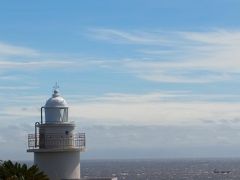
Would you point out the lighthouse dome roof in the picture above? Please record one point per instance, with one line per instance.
(56, 100)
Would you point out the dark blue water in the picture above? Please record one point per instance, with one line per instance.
(178, 169)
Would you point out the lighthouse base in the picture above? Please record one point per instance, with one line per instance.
(59, 165)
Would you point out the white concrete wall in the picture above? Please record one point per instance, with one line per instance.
(59, 165)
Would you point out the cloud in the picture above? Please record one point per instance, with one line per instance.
(17, 87)
(24, 58)
(129, 122)
(117, 36)
(10, 77)
(178, 72)
(122, 141)
(180, 57)
(13, 140)
(11, 50)
(32, 64)
(2, 140)
(156, 108)
(138, 98)
(177, 135)
(155, 113)
(217, 37)
(170, 57)
(28, 59)
(182, 118)
(172, 141)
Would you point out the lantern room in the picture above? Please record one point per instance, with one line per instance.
(55, 109)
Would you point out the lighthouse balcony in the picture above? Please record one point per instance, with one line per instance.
(56, 142)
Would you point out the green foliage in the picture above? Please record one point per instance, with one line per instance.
(11, 171)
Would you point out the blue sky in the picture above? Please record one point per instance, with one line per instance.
(130, 70)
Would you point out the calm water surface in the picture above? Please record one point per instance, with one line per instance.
(180, 169)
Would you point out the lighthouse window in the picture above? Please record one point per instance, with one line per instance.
(64, 115)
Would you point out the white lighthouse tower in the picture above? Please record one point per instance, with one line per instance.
(55, 144)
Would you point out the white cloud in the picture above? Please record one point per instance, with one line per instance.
(137, 98)
(217, 37)
(10, 77)
(32, 64)
(178, 72)
(156, 108)
(117, 36)
(163, 108)
(168, 113)
(184, 57)
(175, 57)
(2, 140)
(17, 87)
(23, 58)
(186, 123)
(11, 50)
(28, 59)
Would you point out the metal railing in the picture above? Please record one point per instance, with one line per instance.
(56, 141)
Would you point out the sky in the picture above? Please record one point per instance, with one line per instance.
(143, 79)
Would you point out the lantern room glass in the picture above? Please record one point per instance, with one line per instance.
(54, 114)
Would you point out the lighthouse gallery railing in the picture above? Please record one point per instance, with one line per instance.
(58, 141)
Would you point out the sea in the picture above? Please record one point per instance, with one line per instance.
(163, 169)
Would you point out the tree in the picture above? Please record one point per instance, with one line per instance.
(11, 171)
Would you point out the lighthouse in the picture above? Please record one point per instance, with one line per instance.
(55, 144)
